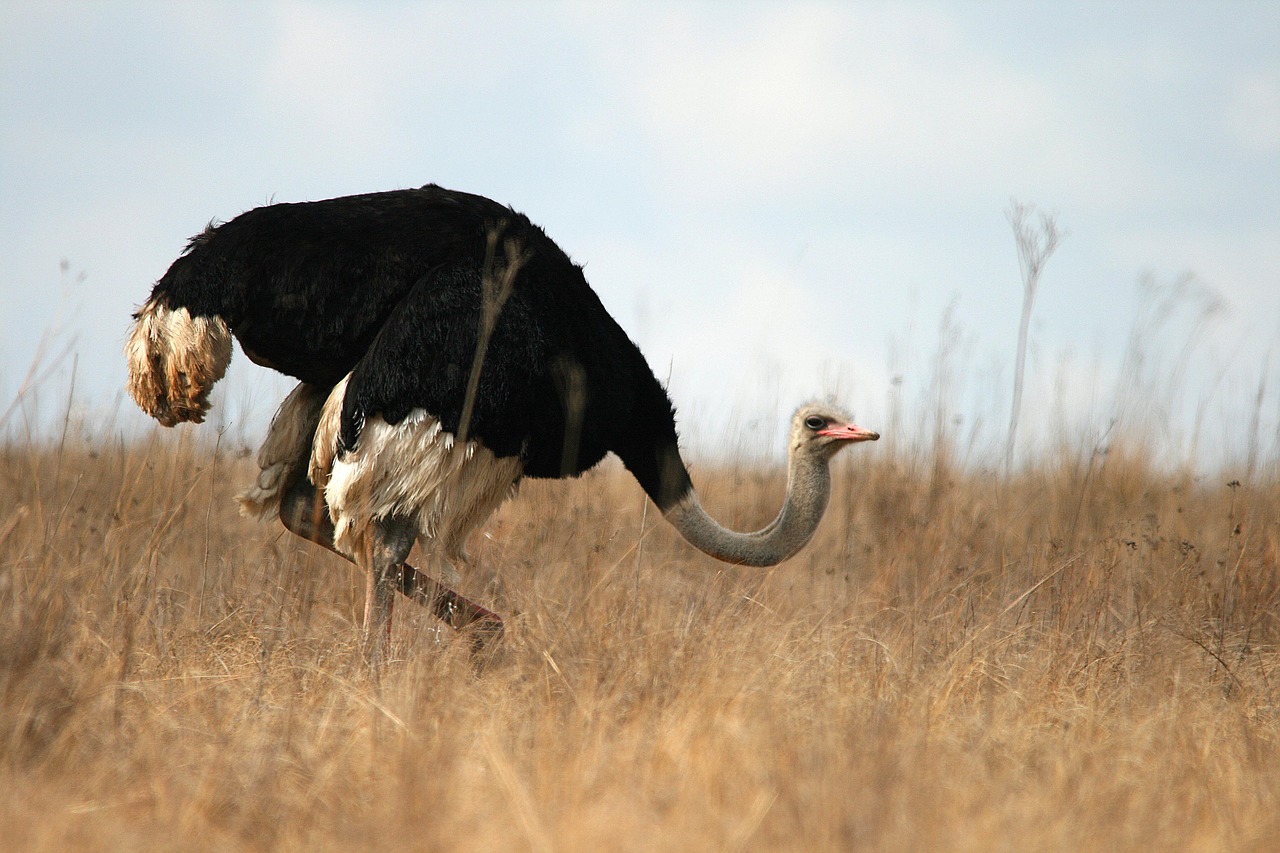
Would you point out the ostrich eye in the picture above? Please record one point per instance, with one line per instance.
(814, 422)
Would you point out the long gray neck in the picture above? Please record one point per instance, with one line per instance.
(808, 490)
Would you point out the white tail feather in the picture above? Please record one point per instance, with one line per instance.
(174, 361)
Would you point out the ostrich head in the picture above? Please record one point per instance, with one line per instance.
(820, 431)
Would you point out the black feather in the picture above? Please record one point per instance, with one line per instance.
(389, 287)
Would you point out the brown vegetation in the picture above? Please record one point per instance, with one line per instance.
(1082, 657)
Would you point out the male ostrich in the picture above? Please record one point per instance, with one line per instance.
(445, 348)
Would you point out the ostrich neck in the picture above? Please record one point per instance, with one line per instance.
(808, 489)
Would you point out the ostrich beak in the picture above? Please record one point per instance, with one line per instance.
(849, 432)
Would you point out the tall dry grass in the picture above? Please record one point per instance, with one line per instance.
(1081, 657)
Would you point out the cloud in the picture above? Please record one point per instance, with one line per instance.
(832, 99)
(1253, 112)
(326, 78)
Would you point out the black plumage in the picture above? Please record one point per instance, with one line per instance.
(389, 287)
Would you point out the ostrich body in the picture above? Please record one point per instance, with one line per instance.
(445, 348)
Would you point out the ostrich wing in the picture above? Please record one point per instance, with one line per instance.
(423, 356)
(305, 287)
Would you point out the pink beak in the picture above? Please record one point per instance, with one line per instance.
(849, 432)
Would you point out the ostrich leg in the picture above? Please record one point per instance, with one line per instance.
(303, 512)
(389, 544)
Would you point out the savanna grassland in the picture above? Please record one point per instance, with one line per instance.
(1082, 656)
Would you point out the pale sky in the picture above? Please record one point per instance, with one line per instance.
(777, 200)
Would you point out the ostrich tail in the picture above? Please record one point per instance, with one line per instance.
(285, 452)
(174, 360)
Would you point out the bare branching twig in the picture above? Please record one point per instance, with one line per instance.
(1035, 243)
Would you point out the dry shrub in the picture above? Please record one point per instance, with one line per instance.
(1080, 657)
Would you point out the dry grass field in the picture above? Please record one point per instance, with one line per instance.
(1084, 657)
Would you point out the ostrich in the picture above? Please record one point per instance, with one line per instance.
(445, 348)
